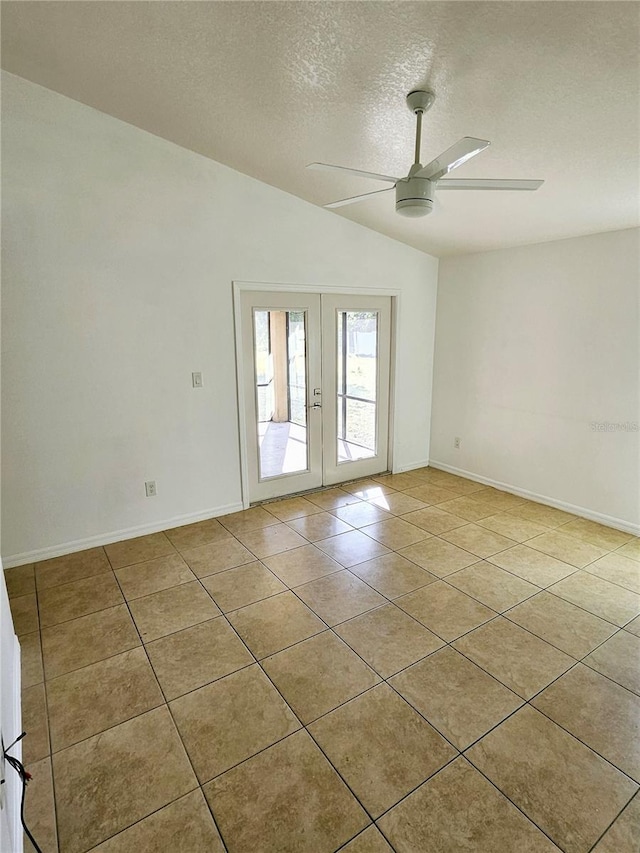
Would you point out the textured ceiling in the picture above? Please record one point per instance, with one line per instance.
(268, 87)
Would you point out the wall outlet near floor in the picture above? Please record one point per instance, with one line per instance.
(150, 488)
(456, 443)
(196, 380)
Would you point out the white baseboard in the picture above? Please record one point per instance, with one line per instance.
(115, 536)
(412, 466)
(583, 512)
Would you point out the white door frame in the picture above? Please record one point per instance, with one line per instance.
(241, 286)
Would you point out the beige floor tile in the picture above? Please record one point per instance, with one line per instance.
(598, 596)
(465, 507)
(460, 485)
(302, 565)
(619, 569)
(97, 697)
(230, 720)
(351, 548)
(217, 557)
(241, 586)
(248, 519)
(399, 482)
(521, 661)
(396, 533)
(369, 841)
(271, 540)
(320, 526)
(619, 659)
(39, 808)
(566, 789)
(387, 639)
(596, 534)
(20, 580)
(398, 503)
(541, 514)
(393, 575)
(633, 626)
(567, 627)
(434, 520)
(459, 811)
(456, 696)
(446, 611)
(438, 557)
(360, 514)
(184, 826)
(172, 610)
(128, 772)
(332, 498)
(35, 723)
(24, 612)
(318, 675)
(599, 712)
(71, 567)
(567, 548)
(381, 747)
(477, 540)
(366, 490)
(500, 501)
(518, 529)
(291, 508)
(275, 623)
(153, 576)
(86, 640)
(623, 836)
(287, 799)
(78, 598)
(138, 550)
(531, 565)
(631, 549)
(196, 656)
(201, 533)
(430, 494)
(492, 586)
(31, 659)
(339, 596)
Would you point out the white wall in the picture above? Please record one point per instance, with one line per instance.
(533, 345)
(119, 253)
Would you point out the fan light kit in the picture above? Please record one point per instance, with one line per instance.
(415, 193)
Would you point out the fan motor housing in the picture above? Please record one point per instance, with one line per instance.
(414, 197)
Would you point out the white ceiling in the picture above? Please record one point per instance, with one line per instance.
(267, 87)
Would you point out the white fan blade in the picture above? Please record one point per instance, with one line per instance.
(487, 184)
(453, 157)
(355, 198)
(357, 172)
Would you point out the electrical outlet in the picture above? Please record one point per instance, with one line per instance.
(196, 380)
(150, 488)
(456, 443)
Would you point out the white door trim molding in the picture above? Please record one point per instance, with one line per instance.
(240, 287)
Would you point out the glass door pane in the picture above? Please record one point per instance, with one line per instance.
(357, 363)
(281, 391)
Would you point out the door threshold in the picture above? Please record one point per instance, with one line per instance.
(315, 491)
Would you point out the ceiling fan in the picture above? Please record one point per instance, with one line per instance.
(415, 193)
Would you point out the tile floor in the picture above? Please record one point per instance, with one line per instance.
(411, 663)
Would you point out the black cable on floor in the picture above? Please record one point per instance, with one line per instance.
(25, 776)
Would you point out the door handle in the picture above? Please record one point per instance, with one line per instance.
(315, 406)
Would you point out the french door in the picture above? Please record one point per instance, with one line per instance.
(315, 382)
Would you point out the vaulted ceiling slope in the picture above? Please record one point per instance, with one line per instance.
(268, 87)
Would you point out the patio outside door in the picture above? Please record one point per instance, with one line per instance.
(315, 382)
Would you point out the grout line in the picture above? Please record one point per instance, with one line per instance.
(617, 817)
